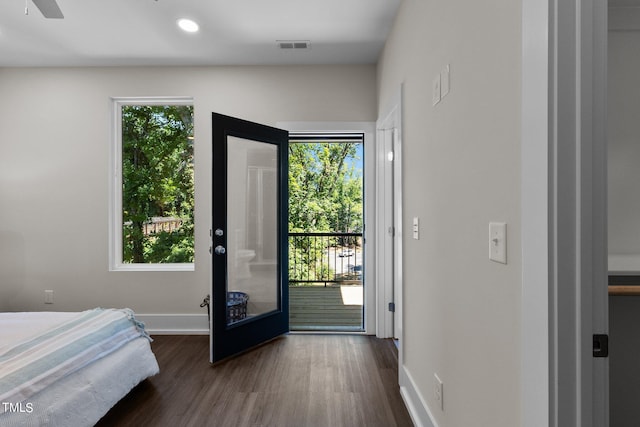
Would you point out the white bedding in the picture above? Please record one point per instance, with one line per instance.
(84, 396)
(17, 326)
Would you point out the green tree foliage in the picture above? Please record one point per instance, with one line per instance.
(157, 175)
(325, 195)
(325, 188)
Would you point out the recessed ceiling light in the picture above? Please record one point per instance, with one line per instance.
(188, 25)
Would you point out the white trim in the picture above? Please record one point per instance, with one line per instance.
(389, 216)
(153, 100)
(154, 267)
(398, 194)
(175, 324)
(534, 217)
(624, 264)
(577, 213)
(413, 400)
(368, 128)
(115, 184)
(384, 230)
(597, 310)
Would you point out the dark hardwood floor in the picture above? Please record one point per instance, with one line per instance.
(295, 380)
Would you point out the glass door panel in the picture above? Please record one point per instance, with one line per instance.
(252, 217)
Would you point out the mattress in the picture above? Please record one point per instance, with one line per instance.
(82, 397)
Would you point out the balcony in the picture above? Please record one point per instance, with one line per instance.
(325, 281)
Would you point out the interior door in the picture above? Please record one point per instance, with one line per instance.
(249, 286)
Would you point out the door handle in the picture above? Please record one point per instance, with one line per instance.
(220, 250)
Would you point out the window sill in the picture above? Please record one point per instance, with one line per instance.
(153, 267)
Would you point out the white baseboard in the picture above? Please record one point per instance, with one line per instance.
(175, 324)
(624, 264)
(416, 405)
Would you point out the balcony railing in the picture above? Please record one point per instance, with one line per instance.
(325, 258)
(325, 281)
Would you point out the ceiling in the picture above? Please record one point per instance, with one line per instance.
(232, 32)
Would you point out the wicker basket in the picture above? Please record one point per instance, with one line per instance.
(236, 306)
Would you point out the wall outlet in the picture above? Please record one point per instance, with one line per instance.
(438, 391)
(444, 84)
(435, 85)
(48, 297)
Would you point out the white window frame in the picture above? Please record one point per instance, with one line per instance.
(115, 185)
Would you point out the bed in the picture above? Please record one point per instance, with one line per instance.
(69, 369)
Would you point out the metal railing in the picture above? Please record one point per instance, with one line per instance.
(325, 258)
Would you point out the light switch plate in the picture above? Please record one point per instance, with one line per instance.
(444, 84)
(436, 90)
(498, 242)
(416, 228)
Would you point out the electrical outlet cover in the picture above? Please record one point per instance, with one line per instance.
(436, 90)
(438, 390)
(444, 85)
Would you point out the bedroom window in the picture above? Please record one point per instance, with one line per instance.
(152, 224)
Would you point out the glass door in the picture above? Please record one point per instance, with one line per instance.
(249, 251)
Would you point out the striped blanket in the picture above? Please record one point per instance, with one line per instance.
(29, 366)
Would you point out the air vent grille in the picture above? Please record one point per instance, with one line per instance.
(293, 44)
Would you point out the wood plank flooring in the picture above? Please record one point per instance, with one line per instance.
(315, 307)
(295, 380)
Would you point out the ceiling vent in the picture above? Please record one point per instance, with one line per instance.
(293, 44)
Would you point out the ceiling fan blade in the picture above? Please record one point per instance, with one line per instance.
(49, 8)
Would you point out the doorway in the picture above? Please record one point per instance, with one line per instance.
(369, 238)
(623, 151)
(326, 231)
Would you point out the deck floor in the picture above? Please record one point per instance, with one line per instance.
(326, 308)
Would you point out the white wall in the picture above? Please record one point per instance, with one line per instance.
(54, 160)
(461, 163)
(624, 150)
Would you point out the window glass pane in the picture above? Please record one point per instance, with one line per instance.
(157, 184)
(252, 223)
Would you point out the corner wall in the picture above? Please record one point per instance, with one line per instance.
(461, 170)
(55, 136)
